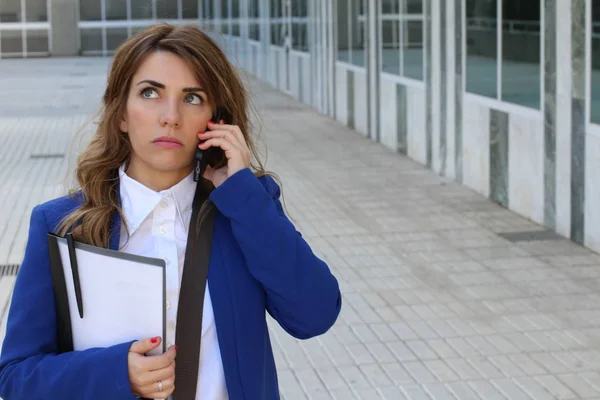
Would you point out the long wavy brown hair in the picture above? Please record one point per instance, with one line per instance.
(97, 166)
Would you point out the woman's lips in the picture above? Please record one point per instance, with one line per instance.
(167, 142)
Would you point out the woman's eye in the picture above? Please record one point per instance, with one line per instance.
(149, 93)
(193, 99)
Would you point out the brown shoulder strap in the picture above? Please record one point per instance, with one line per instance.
(191, 301)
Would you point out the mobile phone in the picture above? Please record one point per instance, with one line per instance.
(213, 155)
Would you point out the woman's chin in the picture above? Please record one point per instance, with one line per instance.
(171, 165)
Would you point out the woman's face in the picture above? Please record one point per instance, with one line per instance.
(166, 108)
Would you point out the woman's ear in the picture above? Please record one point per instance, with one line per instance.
(123, 125)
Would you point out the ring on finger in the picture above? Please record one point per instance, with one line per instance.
(160, 386)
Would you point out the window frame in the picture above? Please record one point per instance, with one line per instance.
(403, 21)
(593, 127)
(498, 99)
(24, 27)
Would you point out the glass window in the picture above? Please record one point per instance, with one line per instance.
(10, 11)
(166, 10)
(141, 9)
(299, 36)
(224, 9)
(414, 6)
(300, 25)
(254, 32)
(115, 37)
(90, 10)
(595, 105)
(235, 18)
(352, 40)
(413, 49)
(209, 23)
(235, 9)
(402, 38)
(277, 26)
(189, 9)
(521, 67)
(137, 29)
(91, 40)
(390, 37)
(482, 49)
(37, 41)
(254, 19)
(116, 10)
(389, 6)
(225, 16)
(37, 12)
(11, 43)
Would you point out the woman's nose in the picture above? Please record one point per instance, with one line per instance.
(170, 116)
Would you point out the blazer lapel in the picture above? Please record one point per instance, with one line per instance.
(115, 224)
(115, 229)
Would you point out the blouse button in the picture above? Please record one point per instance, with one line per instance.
(163, 229)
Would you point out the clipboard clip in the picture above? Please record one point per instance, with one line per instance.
(75, 272)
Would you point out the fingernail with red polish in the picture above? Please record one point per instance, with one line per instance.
(154, 340)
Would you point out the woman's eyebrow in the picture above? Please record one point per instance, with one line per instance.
(193, 89)
(153, 83)
(161, 86)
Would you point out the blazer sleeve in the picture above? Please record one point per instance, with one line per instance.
(30, 367)
(302, 294)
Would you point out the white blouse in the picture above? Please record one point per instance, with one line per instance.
(158, 227)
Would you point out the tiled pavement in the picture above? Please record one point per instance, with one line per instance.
(437, 305)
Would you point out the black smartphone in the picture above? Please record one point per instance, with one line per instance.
(212, 156)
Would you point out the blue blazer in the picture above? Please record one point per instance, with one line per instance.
(258, 262)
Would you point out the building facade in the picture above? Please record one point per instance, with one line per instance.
(502, 96)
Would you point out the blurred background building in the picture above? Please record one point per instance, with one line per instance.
(502, 96)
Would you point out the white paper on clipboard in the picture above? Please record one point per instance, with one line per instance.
(123, 296)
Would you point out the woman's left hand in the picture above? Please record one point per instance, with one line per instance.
(232, 141)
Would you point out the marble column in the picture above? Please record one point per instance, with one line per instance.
(550, 113)
(562, 117)
(427, 4)
(373, 66)
(350, 91)
(499, 145)
(64, 32)
(443, 131)
(578, 120)
(401, 118)
(458, 88)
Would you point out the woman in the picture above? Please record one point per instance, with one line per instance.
(138, 194)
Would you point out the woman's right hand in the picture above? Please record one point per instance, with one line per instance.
(145, 372)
